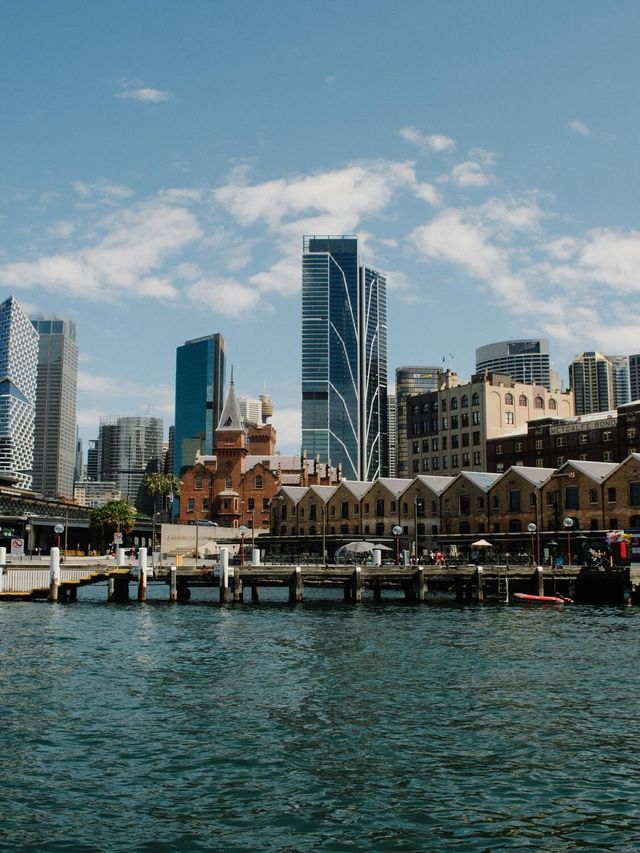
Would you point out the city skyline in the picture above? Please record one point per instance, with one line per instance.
(148, 219)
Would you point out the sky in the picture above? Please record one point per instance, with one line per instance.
(161, 162)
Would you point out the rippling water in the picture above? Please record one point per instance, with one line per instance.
(321, 726)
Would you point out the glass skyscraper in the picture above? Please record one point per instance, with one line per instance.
(525, 361)
(410, 380)
(18, 378)
(131, 447)
(344, 358)
(200, 376)
(54, 453)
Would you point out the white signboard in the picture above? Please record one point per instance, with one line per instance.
(17, 547)
(117, 538)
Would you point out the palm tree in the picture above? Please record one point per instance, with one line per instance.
(117, 514)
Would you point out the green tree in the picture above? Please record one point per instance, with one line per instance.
(160, 485)
(119, 515)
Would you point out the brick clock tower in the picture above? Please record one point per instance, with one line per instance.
(230, 450)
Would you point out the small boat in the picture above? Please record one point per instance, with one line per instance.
(542, 599)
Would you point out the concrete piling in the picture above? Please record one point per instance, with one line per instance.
(54, 574)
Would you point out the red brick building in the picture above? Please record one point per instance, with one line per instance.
(235, 485)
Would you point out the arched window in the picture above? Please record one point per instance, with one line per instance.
(416, 411)
(508, 399)
(539, 404)
(475, 399)
(434, 406)
(522, 400)
(454, 403)
(425, 408)
(464, 402)
(553, 405)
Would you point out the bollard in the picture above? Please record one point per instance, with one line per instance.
(377, 557)
(224, 575)
(405, 558)
(173, 584)
(54, 574)
(255, 557)
(419, 584)
(356, 585)
(540, 580)
(120, 558)
(295, 586)
(142, 569)
(480, 584)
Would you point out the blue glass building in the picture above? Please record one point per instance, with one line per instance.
(200, 377)
(344, 358)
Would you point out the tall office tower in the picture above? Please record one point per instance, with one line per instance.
(392, 421)
(410, 380)
(79, 468)
(250, 410)
(524, 361)
(344, 358)
(620, 378)
(18, 378)
(54, 450)
(200, 374)
(634, 376)
(130, 448)
(93, 460)
(591, 378)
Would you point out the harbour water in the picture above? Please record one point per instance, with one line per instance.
(324, 726)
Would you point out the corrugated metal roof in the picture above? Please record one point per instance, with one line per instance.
(437, 483)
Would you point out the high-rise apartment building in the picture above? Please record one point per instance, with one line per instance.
(200, 377)
(54, 452)
(129, 448)
(523, 360)
(18, 380)
(393, 435)
(620, 379)
(634, 376)
(591, 378)
(410, 380)
(344, 358)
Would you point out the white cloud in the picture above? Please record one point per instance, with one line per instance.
(102, 187)
(470, 174)
(144, 93)
(61, 229)
(288, 423)
(432, 142)
(428, 193)
(223, 296)
(130, 247)
(579, 127)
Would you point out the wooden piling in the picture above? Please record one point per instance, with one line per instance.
(142, 571)
(237, 587)
(173, 584)
(356, 585)
(377, 590)
(224, 575)
(73, 593)
(254, 591)
(54, 576)
(296, 586)
(419, 584)
(479, 584)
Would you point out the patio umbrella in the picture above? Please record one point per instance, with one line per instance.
(481, 543)
(359, 547)
(381, 547)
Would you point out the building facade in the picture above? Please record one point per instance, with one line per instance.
(634, 377)
(54, 455)
(18, 384)
(392, 427)
(591, 379)
(410, 380)
(620, 379)
(129, 448)
(344, 358)
(448, 429)
(525, 361)
(200, 378)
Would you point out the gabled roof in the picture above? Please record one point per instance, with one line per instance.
(536, 476)
(482, 479)
(294, 493)
(437, 483)
(597, 471)
(323, 492)
(356, 488)
(395, 485)
(230, 419)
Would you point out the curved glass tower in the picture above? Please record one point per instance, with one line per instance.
(344, 358)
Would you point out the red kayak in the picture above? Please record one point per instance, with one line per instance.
(542, 599)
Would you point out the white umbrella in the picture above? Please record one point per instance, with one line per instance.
(381, 547)
(481, 543)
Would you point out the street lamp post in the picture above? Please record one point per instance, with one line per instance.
(416, 499)
(243, 532)
(532, 529)
(568, 524)
(324, 533)
(397, 530)
(58, 529)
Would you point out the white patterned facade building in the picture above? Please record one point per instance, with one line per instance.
(18, 381)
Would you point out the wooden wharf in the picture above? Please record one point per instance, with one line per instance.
(467, 583)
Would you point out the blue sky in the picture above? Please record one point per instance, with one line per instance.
(161, 162)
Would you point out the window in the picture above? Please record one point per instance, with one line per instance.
(344, 509)
(444, 442)
(191, 504)
(198, 482)
(552, 405)
(415, 464)
(251, 504)
(301, 512)
(560, 441)
(539, 463)
(606, 436)
(465, 459)
(552, 498)
(434, 507)
(447, 504)
(582, 438)
(634, 494)
(583, 457)
(416, 411)
(258, 481)
(425, 463)
(405, 507)
(205, 503)
(416, 446)
(379, 506)
(465, 505)
(515, 525)
(559, 461)
(539, 403)
(443, 406)
(445, 423)
(425, 408)
(480, 502)
(477, 459)
(454, 422)
(475, 438)
(518, 447)
(393, 506)
(464, 402)
(425, 445)
(434, 406)
(465, 439)
(593, 496)
(435, 463)
(454, 460)
(631, 432)
(611, 494)
(366, 509)
(514, 500)
(508, 417)
(228, 483)
(434, 443)
(465, 420)
(498, 450)
(455, 441)
(356, 509)
(445, 463)
(495, 501)
(332, 510)
(475, 418)
(522, 400)
(607, 456)
(539, 444)
(508, 399)
(266, 503)
(475, 399)
(454, 403)
(571, 497)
